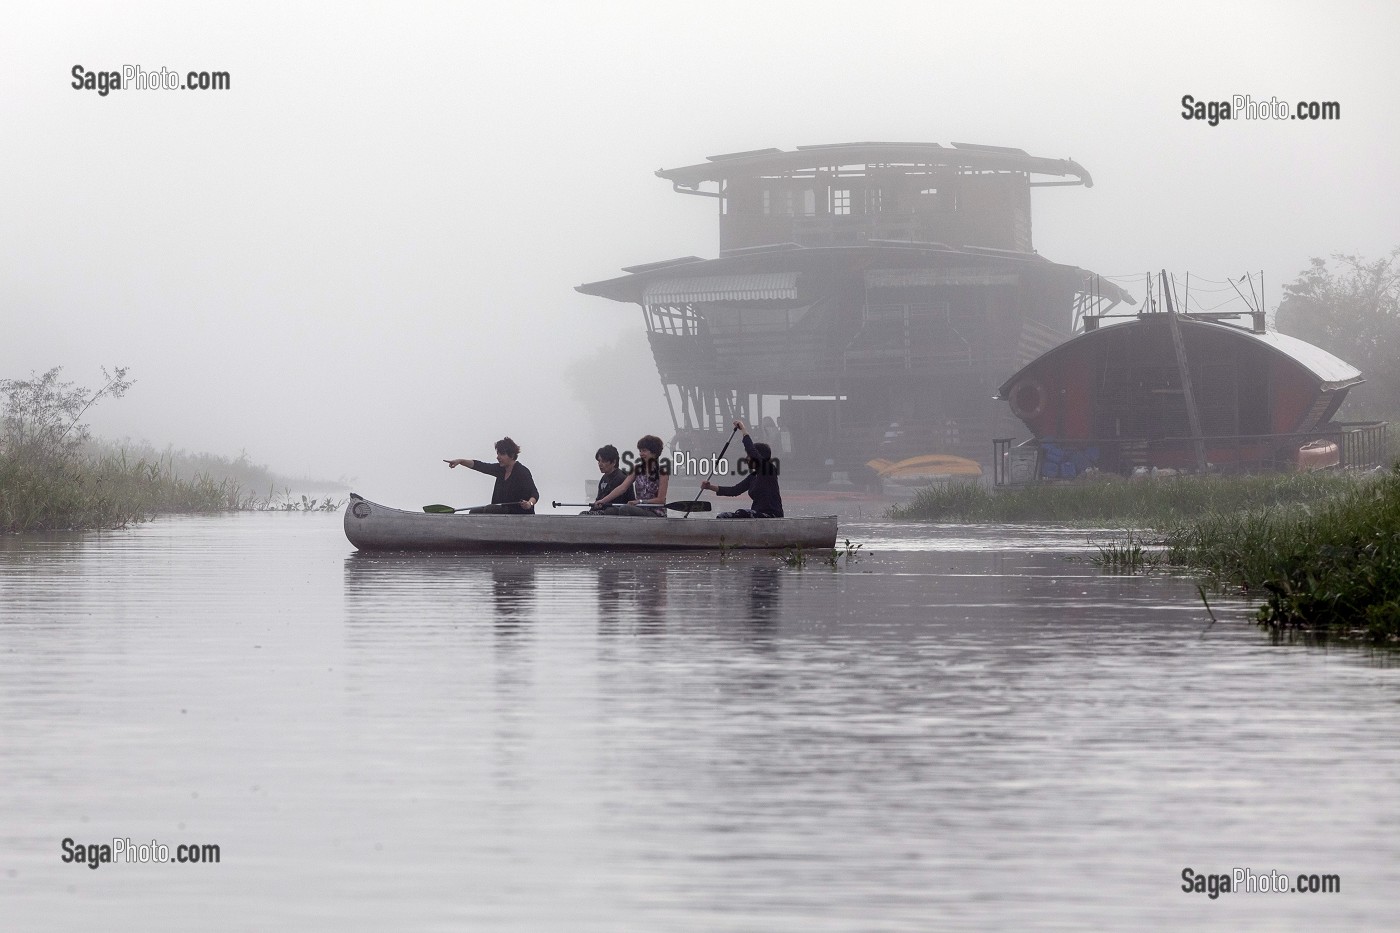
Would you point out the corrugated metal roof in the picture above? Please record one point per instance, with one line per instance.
(653, 266)
(760, 286)
(1326, 367)
(1331, 372)
(962, 155)
(742, 155)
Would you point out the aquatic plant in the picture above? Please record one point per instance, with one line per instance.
(285, 501)
(848, 552)
(795, 557)
(1330, 567)
(835, 558)
(1128, 555)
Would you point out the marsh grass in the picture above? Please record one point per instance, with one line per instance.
(1141, 503)
(1325, 568)
(1322, 550)
(54, 476)
(102, 493)
(1128, 555)
(112, 491)
(242, 469)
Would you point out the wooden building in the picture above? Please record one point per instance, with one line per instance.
(868, 299)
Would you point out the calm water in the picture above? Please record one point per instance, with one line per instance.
(966, 729)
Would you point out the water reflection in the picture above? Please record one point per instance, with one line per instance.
(652, 595)
(612, 600)
(630, 598)
(651, 590)
(765, 591)
(513, 593)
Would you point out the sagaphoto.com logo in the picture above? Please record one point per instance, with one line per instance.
(1244, 107)
(134, 77)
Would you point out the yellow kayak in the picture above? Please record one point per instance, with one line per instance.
(925, 465)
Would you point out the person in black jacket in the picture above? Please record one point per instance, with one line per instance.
(514, 492)
(612, 477)
(761, 483)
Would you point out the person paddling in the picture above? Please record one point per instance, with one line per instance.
(514, 492)
(761, 483)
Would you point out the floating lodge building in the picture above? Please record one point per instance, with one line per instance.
(868, 300)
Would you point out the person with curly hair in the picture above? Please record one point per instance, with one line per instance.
(514, 492)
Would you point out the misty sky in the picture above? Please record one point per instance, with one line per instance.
(361, 258)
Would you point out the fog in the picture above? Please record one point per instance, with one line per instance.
(361, 258)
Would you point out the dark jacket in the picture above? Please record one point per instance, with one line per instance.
(761, 484)
(521, 484)
(609, 482)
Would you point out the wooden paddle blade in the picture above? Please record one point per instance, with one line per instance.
(701, 505)
(446, 509)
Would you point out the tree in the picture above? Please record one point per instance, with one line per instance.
(42, 414)
(1352, 310)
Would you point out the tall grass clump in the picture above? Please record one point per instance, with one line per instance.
(105, 493)
(1129, 555)
(241, 470)
(54, 477)
(1156, 502)
(1330, 567)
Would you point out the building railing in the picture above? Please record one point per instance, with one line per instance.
(1340, 445)
(996, 228)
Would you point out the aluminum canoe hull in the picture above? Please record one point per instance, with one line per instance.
(373, 527)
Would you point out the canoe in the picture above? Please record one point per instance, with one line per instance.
(374, 527)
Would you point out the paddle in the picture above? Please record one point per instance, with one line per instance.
(722, 452)
(686, 507)
(448, 510)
